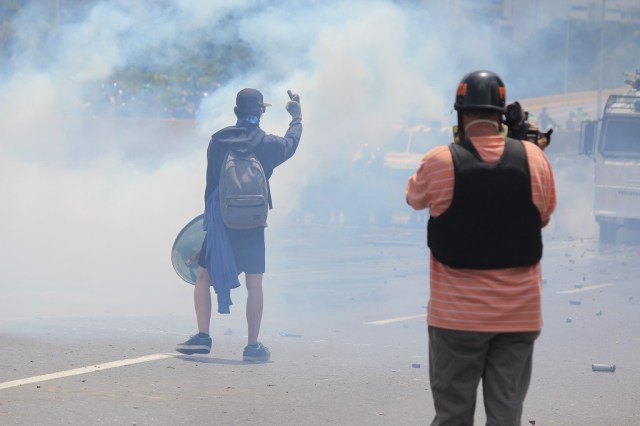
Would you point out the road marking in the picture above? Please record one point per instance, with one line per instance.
(87, 369)
(392, 320)
(587, 288)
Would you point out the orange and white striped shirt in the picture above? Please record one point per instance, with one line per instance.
(495, 300)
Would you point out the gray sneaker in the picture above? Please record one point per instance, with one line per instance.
(256, 353)
(195, 345)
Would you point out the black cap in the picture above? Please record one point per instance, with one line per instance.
(249, 101)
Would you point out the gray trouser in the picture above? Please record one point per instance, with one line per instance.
(457, 362)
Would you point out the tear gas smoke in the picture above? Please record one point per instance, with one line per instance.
(91, 205)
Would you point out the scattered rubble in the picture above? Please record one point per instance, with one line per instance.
(605, 368)
(290, 334)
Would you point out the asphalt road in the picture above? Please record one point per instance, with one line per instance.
(344, 319)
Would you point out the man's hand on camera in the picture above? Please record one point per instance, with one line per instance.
(293, 106)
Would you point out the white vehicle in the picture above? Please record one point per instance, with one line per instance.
(614, 143)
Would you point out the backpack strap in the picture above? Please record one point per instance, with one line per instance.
(268, 185)
(267, 179)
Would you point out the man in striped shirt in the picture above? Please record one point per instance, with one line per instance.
(488, 198)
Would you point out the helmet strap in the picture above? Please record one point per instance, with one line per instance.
(460, 128)
(474, 122)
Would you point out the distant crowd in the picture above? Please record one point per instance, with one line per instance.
(546, 122)
(123, 100)
(119, 100)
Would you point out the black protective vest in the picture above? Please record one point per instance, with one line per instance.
(492, 222)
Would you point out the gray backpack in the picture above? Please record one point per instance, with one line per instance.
(244, 191)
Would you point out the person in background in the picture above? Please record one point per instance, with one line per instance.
(488, 198)
(247, 246)
(545, 122)
(572, 123)
(581, 115)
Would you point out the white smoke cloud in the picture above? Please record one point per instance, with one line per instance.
(91, 205)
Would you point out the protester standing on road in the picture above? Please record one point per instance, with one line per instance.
(488, 198)
(234, 251)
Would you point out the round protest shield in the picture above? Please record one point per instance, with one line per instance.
(186, 250)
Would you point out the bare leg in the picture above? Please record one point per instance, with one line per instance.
(202, 300)
(254, 306)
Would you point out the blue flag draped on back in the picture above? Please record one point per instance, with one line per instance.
(220, 262)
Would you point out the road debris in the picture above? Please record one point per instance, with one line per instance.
(290, 334)
(605, 368)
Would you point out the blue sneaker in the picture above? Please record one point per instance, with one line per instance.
(197, 344)
(256, 353)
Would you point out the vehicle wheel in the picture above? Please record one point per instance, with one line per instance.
(608, 232)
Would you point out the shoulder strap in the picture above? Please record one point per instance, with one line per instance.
(467, 145)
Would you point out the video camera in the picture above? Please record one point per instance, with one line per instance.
(516, 120)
